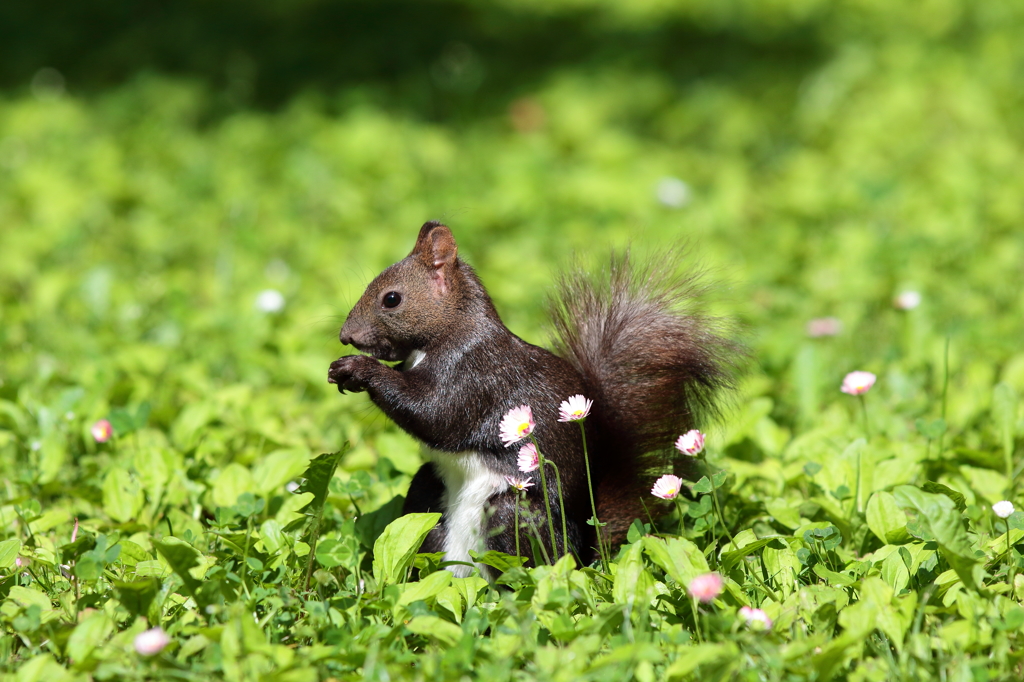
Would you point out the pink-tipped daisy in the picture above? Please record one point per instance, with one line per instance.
(706, 587)
(102, 431)
(755, 618)
(574, 409)
(528, 459)
(519, 484)
(858, 383)
(691, 443)
(151, 642)
(517, 424)
(667, 487)
(824, 326)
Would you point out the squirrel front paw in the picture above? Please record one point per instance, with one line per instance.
(349, 373)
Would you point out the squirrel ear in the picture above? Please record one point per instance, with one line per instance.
(436, 248)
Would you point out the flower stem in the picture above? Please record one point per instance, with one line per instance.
(561, 508)
(547, 503)
(945, 389)
(864, 411)
(721, 516)
(1009, 557)
(696, 619)
(593, 505)
(518, 503)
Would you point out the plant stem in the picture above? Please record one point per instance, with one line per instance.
(593, 505)
(1009, 557)
(547, 503)
(561, 508)
(696, 619)
(721, 516)
(856, 494)
(519, 500)
(945, 388)
(864, 411)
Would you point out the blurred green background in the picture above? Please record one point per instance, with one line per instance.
(162, 164)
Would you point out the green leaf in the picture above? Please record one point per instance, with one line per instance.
(939, 516)
(678, 557)
(122, 421)
(435, 628)
(702, 486)
(318, 477)
(233, 481)
(425, 588)
(895, 572)
(700, 508)
(122, 495)
(88, 635)
(637, 530)
(278, 468)
(9, 552)
(886, 519)
(730, 559)
(633, 584)
(828, 537)
(834, 578)
(692, 657)
(272, 535)
(396, 547)
(811, 469)
(187, 429)
(369, 526)
(1016, 520)
(1004, 414)
(141, 416)
(499, 560)
(939, 489)
(331, 553)
(181, 557)
(784, 511)
(930, 429)
(137, 595)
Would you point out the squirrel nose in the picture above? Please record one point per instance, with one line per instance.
(352, 335)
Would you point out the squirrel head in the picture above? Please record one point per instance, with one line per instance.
(412, 302)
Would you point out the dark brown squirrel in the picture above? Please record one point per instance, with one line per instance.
(623, 339)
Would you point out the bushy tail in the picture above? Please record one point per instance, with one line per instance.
(655, 366)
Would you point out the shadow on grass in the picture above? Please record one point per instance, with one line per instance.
(442, 58)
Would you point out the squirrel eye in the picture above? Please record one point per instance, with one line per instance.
(392, 299)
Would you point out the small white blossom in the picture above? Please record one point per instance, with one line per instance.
(1003, 509)
(520, 484)
(907, 300)
(672, 192)
(270, 301)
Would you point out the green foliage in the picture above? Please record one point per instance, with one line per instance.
(833, 155)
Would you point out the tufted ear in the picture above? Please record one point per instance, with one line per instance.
(436, 249)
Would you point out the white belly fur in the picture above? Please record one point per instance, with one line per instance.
(468, 484)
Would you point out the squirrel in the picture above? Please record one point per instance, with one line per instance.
(624, 339)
